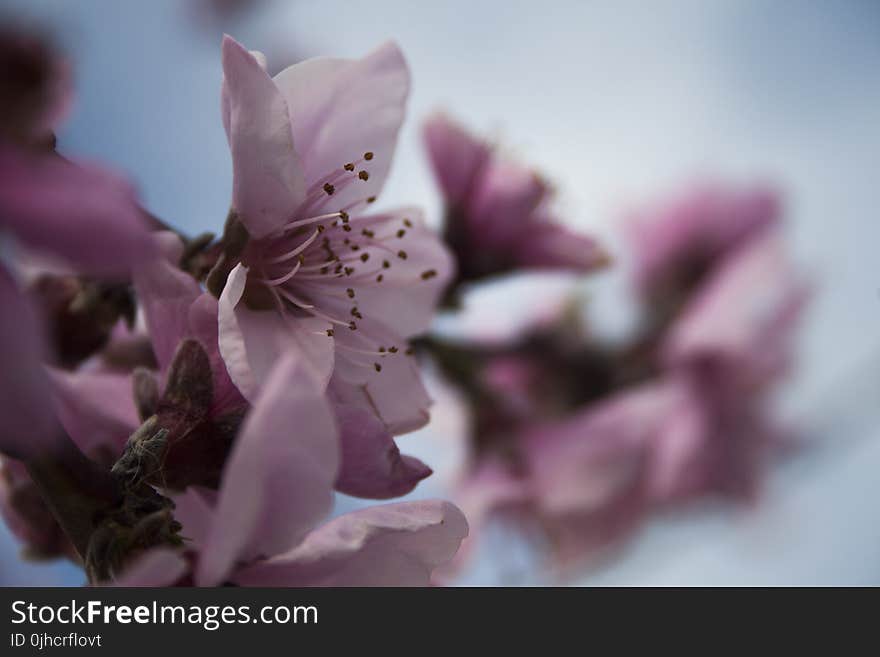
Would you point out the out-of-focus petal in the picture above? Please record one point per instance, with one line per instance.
(267, 173)
(253, 341)
(155, 568)
(551, 245)
(278, 481)
(391, 545)
(28, 427)
(744, 316)
(81, 213)
(97, 409)
(457, 157)
(372, 465)
(340, 110)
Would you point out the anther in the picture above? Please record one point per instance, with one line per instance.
(410, 351)
(401, 254)
(349, 271)
(352, 326)
(350, 293)
(431, 273)
(378, 367)
(379, 278)
(407, 223)
(365, 257)
(349, 166)
(385, 264)
(364, 175)
(346, 228)
(381, 350)
(366, 232)
(371, 199)
(393, 350)
(401, 232)
(344, 216)
(330, 333)
(329, 189)
(368, 155)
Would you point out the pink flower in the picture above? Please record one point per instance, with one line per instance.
(342, 290)
(264, 527)
(680, 240)
(497, 214)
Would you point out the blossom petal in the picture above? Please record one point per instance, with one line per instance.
(278, 481)
(267, 175)
(252, 341)
(406, 298)
(340, 110)
(154, 568)
(86, 215)
(457, 157)
(372, 465)
(395, 392)
(97, 409)
(28, 422)
(390, 545)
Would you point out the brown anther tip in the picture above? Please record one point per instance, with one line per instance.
(378, 367)
(355, 247)
(386, 264)
(324, 269)
(354, 311)
(352, 326)
(329, 189)
(349, 166)
(410, 351)
(364, 175)
(407, 223)
(379, 278)
(431, 273)
(393, 350)
(368, 155)
(371, 199)
(350, 293)
(401, 232)
(346, 228)
(367, 232)
(365, 257)
(401, 255)
(321, 228)
(349, 271)
(330, 333)
(381, 350)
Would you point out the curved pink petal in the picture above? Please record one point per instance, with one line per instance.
(253, 341)
(278, 481)
(340, 110)
(457, 157)
(158, 567)
(502, 207)
(391, 545)
(28, 426)
(81, 213)
(97, 409)
(372, 465)
(267, 175)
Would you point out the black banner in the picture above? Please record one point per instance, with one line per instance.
(248, 622)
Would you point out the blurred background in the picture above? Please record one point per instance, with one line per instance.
(617, 103)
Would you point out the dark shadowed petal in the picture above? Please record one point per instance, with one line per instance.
(372, 465)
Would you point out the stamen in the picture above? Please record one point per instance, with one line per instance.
(295, 252)
(280, 281)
